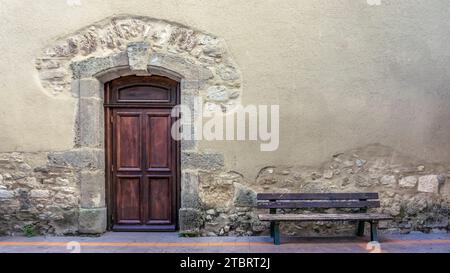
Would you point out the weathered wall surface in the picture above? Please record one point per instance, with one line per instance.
(37, 195)
(414, 193)
(345, 74)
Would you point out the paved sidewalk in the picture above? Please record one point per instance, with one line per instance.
(114, 242)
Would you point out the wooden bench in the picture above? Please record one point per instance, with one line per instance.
(360, 201)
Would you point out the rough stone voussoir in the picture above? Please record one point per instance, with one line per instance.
(92, 66)
(190, 53)
(187, 69)
(138, 54)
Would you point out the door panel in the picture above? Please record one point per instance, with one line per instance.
(128, 200)
(144, 169)
(159, 210)
(128, 135)
(159, 146)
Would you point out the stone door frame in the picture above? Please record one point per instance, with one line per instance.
(81, 62)
(112, 105)
(90, 76)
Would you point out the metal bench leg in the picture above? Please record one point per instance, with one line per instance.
(272, 211)
(373, 231)
(276, 233)
(360, 229)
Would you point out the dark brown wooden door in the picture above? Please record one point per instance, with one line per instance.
(143, 167)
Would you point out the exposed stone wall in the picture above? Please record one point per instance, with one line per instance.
(43, 190)
(416, 194)
(38, 194)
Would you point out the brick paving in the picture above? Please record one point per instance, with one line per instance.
(139, 242)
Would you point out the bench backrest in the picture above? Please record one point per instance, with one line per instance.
(317, 200)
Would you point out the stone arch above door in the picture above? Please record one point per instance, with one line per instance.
(79, 64)
(201, 59)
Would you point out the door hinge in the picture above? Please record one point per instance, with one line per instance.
(111, 119)
(112, 168)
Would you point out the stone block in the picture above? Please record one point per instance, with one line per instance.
(189, 70)
(90, 88)
(5, 194)
(138, 56)
(190, 219)
(52, 74)
(204, 74)
(83, 158)
(75, 88)
(243, 196)
(39, 193)
(189, 85)
(227, 73)
(92, 221)
(408, 182)
(445, 189)
(189, 190)
(188, 144)
(213, 50)
(218, 93)
(66, 222)
(92, 66)
(90, 123)
(429, 183)
(92, 185)
(388, 181)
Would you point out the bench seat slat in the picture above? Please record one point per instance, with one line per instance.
(318, 204)
(324, 217)
(317, 196)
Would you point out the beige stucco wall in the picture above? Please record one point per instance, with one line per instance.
(344, 73)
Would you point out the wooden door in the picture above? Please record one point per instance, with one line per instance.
(143, 164)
